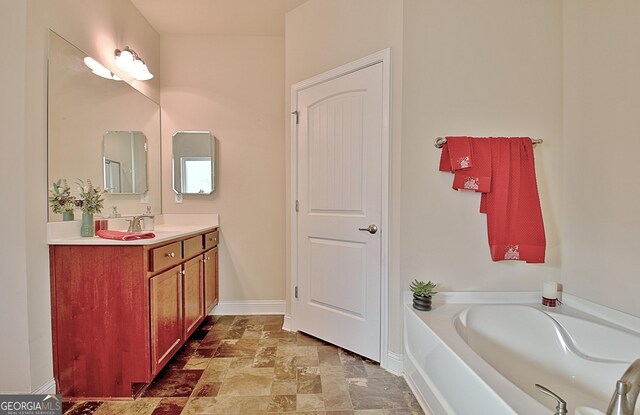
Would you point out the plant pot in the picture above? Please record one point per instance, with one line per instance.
(67, 216)
(87, 229)
(421, 302)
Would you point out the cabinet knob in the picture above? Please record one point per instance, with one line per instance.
(170, 255)
(208, 258)
(204, 260)
(183, 272)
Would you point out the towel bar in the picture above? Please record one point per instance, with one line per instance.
(439, 141)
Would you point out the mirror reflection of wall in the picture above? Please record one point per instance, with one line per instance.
(125, 162)
(193, 162)
(81, 107)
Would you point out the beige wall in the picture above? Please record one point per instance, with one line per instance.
(489, 68)
(323, 34)
(232, 86)
(478, 68)
(95, 27)
(601, 248)
(14, 321)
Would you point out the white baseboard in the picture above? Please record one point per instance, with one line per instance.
(286, 325)
(395, 363)
(48, 388)
(230, 308)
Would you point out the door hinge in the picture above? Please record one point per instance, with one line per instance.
(297, 206)
(296, 292)
(297, 115)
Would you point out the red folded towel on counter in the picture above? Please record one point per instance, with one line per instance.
(124, 236)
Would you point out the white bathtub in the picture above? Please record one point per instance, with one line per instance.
(486, 358)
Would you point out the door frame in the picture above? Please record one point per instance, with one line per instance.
(384, 57)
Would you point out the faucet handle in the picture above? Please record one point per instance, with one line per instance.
(561, 408)
(619, 405)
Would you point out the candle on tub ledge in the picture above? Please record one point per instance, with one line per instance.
(550, 294)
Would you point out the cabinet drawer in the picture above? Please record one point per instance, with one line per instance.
(192, 246)
(166, 256)
(210, 239)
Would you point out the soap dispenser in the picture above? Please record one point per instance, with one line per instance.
(147, 220)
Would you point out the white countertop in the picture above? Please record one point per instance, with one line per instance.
(167, 227)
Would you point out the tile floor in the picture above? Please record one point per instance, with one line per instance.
(246, 365)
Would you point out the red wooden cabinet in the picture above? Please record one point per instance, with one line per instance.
(210, 279)
(166, 317)
(120, 312)
(193, 297)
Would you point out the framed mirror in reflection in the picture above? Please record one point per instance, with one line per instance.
(81, 108)
(193, 162)
(124, 155)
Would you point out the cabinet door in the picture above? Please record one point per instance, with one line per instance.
(210, 279)
(166, 316)
(193, 295)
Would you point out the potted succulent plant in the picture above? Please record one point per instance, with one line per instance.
(422, 292)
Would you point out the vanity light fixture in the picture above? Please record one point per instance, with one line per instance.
(100, 70)
(129, 61)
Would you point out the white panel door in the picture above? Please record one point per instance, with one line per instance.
(340, 195)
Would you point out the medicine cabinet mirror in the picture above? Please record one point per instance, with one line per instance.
(193, 162)
(92, 119)
(124, 155)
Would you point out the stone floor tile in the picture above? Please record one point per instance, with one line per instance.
(206, 389)
(284, 387)
(176, 383)
(309, 380)
(309, 402)
(170, 406)
(84, 408)
(217, 369)
(282, 403)
(376, 393)
(247, 382)
(142, 406)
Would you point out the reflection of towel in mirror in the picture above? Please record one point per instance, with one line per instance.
(124, 236)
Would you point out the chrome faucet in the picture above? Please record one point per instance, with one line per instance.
(135, 224)
(623, 401)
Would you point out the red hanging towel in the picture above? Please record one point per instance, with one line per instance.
(477, 174)
(509, 197)
(460, 153)
(514, 217)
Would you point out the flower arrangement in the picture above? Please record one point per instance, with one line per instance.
(90, 198)
(60, 198)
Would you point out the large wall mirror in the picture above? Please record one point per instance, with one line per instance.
(92, 119)
(124, 155)
(193, 162)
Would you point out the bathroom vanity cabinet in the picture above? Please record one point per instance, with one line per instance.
(121, 311)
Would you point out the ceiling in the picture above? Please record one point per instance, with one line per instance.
(217, 17)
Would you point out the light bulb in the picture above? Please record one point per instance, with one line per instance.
(97, 68)
(124, 60)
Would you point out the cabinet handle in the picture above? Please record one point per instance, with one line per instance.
(170, 255)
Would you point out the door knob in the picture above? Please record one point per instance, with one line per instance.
(371, 229)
